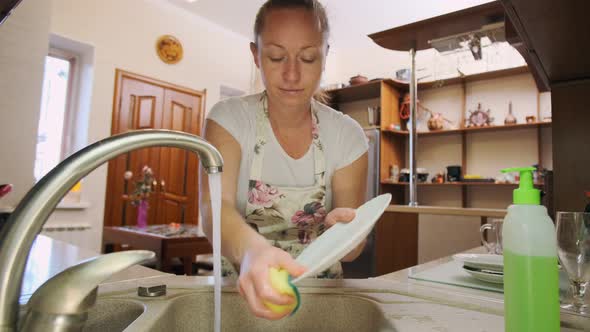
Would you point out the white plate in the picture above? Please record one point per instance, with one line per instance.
(481, 261)
(487, 277)
(341, 238)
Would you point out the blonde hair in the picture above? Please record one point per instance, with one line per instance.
(313, 6)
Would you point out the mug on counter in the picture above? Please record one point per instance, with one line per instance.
(494, 242)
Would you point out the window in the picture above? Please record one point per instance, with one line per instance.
(52, 144)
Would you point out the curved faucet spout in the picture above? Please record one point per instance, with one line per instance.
(29, 216)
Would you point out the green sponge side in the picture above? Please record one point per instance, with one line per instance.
(297, 295)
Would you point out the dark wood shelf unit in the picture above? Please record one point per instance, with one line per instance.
(372, 89)
(508, 127)
(547, 34)
(471, 129)
(456, 184)
(393, 142)
(490, 75)
(350, 93)
(369, 90)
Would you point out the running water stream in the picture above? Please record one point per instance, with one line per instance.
(215, 192)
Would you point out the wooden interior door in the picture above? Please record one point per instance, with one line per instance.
(145, 103)
(178, 168)
(138, 106)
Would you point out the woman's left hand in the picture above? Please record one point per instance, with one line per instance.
(343, 215)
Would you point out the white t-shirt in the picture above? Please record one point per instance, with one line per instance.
(342, 138)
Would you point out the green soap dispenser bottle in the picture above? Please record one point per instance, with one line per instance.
(531, 281)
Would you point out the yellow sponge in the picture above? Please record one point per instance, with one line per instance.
(281, 282)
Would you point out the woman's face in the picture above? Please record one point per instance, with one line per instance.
(290, 54)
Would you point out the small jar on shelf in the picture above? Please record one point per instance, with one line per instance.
(394, 173)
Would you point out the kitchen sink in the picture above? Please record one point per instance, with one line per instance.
(113, 315)
(318, 312)
(326, 305)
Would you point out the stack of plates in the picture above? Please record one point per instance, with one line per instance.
(485, 267)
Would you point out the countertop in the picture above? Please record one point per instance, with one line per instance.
(403, 276)
(429, 306)
(48, 257)
(485, 302)
(451, 211)
(6, 209)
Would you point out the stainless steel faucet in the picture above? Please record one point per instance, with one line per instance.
(29, 216)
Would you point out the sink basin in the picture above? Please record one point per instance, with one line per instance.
(112, 315)
(318, 312)
(326, 305)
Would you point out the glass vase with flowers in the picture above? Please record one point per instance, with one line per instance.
(144, 186)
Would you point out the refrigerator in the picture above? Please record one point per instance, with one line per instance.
(364, 265)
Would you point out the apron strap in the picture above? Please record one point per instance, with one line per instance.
(261, 120)
(318, 150)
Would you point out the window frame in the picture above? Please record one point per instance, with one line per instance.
(69, 119)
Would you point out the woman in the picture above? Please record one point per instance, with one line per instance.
(288, 159)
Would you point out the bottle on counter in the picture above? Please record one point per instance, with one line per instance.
(531, 281)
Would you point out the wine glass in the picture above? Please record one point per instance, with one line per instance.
(573, 250)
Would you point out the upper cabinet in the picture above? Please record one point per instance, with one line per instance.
(418, 34)
(552, 37)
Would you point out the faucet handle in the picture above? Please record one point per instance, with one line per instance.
(73, 291)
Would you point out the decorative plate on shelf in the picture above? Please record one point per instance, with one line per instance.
(169, 49)
(479, 118)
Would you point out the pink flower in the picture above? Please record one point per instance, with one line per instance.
(302, 219)
(146, 170)
(312, 213)
(261, 194)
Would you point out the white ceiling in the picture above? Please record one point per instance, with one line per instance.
(351, 20)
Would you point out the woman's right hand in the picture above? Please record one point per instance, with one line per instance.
(254, 281)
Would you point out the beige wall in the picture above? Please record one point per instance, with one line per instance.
(23, 37)
(123, 35)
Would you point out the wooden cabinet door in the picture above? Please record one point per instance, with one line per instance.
(144, 103)
(178, 200)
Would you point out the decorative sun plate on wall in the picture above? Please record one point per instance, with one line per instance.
(169, 49)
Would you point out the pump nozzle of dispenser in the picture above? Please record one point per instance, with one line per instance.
(526, 194)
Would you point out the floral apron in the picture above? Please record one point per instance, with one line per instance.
(290, 218)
